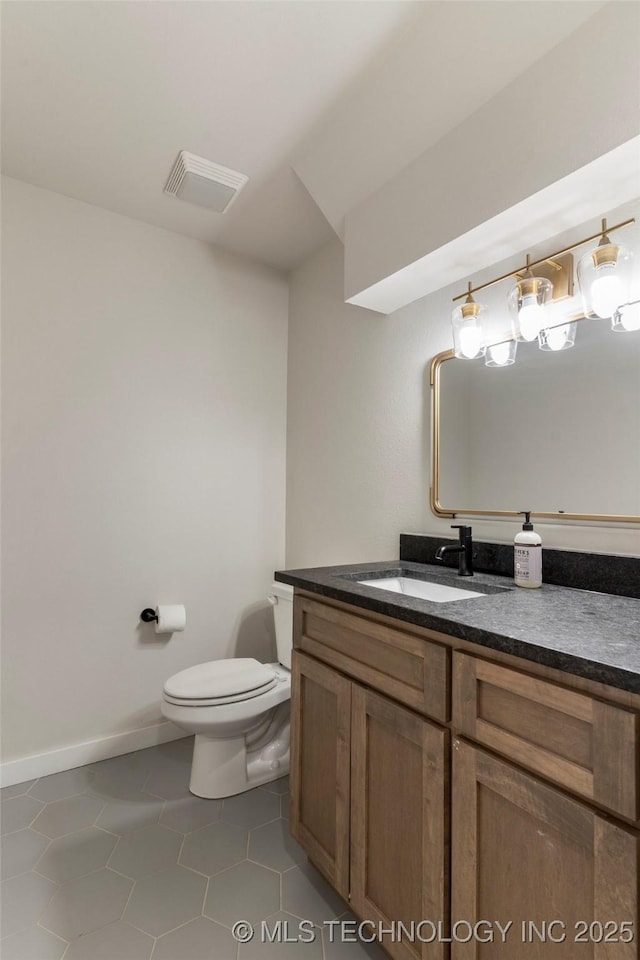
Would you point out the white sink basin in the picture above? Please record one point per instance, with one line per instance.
(422, 589)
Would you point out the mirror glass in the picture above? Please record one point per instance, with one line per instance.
(556, 432)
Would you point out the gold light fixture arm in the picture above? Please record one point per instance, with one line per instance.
(554, 264)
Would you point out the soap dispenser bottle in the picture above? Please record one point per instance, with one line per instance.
(527, 556)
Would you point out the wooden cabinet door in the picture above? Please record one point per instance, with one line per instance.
(398, 829)
(526, 853)
(320, 739)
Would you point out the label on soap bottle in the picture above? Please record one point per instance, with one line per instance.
(528, 564)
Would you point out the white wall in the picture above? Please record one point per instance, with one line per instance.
(358, 454)
(144, 462)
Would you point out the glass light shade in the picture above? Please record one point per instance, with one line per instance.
(604, 275)
(528, 300)
(468, 332)
(626, 319)
(501, 354)
(561, 337)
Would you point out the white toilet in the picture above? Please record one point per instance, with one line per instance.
(239, 712)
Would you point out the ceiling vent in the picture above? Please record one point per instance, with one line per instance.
(207, 184)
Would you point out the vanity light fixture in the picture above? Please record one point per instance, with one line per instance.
(627, 317)
(604, 276)
(528, 301)
(501, 354)
(468, 335)
(560, 337)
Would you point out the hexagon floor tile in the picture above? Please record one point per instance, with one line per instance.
(116, 941)
(119, 775)
(251, 809)
(132, 812)
(165, 900)
(31, 943)
(272, 846)
(61, 785)
(118, 860)
(215, 848)
(171, 770)
(200, 939)
(177, 751)
(145, 851)
(190, 813)
(76, 854)
(16, 790)
(85, 904)
(20, 851)
(19, 812)
(306, 894)
(244, 892)
(22, 901)
(280, 786)
(67, 816)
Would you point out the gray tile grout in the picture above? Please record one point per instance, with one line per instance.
(124, 909)
(34, 870)
(61, 939)
(139, 929)
(206, 894)
(104, 830)
(264, 866)
(27, 826)
(207, 876)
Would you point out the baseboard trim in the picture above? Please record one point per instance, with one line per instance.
(90, 751)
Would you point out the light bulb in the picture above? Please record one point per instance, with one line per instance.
(606, 291)
(557, 337)
(470, 340)
(499, 353)
(530, 317)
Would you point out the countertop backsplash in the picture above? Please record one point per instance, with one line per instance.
(604, 573)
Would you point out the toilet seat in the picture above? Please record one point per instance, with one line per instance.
(219, 682)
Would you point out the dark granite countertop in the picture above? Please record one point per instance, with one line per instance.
(592, 635)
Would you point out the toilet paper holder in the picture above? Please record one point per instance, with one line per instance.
(148, 615)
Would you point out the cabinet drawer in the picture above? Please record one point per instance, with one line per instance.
(402, 665)
(584, 744)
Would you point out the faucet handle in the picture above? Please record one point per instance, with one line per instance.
(464, 530)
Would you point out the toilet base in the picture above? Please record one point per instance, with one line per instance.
(223, 768)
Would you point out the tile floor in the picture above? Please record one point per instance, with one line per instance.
(118, 861)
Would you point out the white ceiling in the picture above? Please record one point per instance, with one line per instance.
(99, 97)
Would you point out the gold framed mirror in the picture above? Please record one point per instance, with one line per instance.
(555, 433)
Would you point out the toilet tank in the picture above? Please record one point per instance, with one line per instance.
(282, 600)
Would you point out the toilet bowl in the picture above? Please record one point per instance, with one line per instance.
(238, 710)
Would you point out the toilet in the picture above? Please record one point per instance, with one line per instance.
(239, 712)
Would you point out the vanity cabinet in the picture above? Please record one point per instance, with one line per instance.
(368, 799)
(524, 853)
(319, 809)
(539, 823)
(584, 744)
(399, 855)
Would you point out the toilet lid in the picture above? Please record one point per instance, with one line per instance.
(220, 679)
